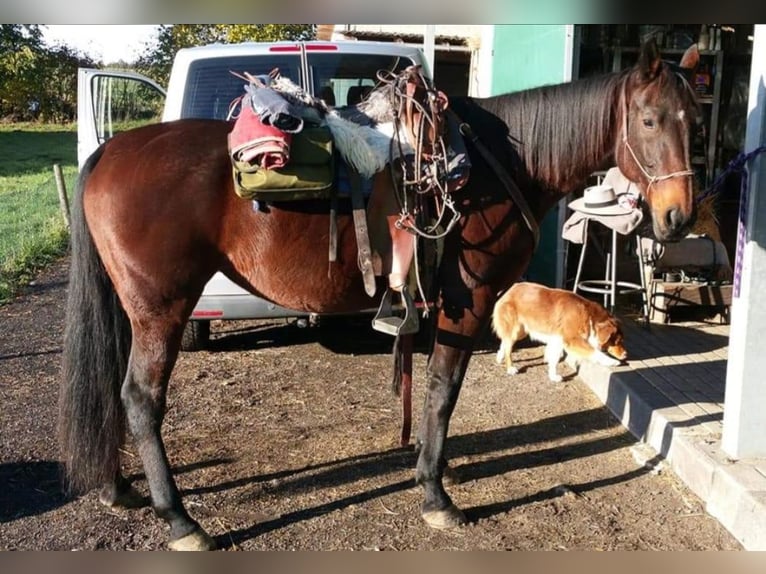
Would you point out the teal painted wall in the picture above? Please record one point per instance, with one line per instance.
(528, 56)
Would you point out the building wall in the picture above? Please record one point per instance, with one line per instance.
(528, 56)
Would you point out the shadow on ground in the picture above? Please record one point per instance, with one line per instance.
(29, 488)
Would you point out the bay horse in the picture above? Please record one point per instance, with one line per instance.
(155, 216)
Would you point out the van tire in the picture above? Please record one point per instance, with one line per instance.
(196, 336)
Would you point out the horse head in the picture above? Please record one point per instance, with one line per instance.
(657, 112)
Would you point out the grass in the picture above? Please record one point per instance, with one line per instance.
(32, 229)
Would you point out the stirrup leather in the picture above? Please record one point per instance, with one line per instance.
(387, 322)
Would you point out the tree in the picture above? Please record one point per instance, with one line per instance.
(58, 82)
(14, 36)
(157, 59)
(37, 81)
(19, 45)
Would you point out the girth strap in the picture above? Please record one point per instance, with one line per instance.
(507, 181)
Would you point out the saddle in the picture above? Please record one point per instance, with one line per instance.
(396, 183)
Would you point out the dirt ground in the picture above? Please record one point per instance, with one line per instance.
(286, 438)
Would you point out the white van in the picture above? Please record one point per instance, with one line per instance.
(202, 85)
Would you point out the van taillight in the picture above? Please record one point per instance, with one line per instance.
(290, 48)
(207, 314)
(321, 47)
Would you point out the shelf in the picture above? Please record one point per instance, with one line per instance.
(679, 51)
(665, 296)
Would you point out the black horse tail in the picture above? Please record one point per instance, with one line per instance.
(96, 348)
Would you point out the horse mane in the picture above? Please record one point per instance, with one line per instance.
(574, 120)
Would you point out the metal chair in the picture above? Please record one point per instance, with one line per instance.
(610, 286)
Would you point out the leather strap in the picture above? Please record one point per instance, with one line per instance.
(364, 253)
(406, 345)
(333, 239)
(507, 181)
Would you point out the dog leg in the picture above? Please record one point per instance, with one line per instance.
(572, 361)
(603, 359)
(500, 357)
(553, 351)
(583, 351)
(509, 368)
(504, 356)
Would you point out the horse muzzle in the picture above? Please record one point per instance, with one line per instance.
(674, 223)
(672, 207)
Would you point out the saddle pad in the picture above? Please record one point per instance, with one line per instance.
(310, 172)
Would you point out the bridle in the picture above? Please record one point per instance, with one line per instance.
(652, 178)
(418, 110)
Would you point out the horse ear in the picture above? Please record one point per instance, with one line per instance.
(442, 101)
(691, 58)
(649, 60)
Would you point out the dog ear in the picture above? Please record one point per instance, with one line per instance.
(605, 328)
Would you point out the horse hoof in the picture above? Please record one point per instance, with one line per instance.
(196, 541)
(450, 517)
(129, 499)
(450, 476)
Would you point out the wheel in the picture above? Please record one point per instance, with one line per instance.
(196, 336)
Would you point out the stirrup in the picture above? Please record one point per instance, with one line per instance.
(386, 322)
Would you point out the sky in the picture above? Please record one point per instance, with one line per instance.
(108, 43)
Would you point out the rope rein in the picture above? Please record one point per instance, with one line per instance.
(737, 165)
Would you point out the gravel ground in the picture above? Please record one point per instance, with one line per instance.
(285, 438)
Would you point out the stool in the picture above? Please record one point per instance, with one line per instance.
(610, 287)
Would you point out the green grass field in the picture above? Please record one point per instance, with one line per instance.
(32, 229)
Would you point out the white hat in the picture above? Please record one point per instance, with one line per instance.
(599, 200)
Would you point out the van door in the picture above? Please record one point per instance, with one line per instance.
(109, 102)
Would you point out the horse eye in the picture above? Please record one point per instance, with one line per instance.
(649, 123)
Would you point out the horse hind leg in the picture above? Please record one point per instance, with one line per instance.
(152, 357)
(119, 494)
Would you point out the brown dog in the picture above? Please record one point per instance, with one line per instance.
(563, 320)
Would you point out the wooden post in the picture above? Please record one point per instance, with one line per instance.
(63, 199)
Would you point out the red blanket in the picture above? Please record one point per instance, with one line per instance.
(255, 143)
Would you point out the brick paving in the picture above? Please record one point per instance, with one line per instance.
(671, 396)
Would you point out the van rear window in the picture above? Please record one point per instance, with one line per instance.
(342, 79)
(211, 87)
(338, 78)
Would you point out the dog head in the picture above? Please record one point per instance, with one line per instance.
(610, 338)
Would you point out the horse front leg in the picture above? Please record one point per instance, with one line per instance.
(446, 370)
(153, 354)
(453, 347)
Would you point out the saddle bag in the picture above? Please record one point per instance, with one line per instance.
(309, 173)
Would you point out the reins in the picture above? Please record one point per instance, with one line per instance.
(652, 178)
